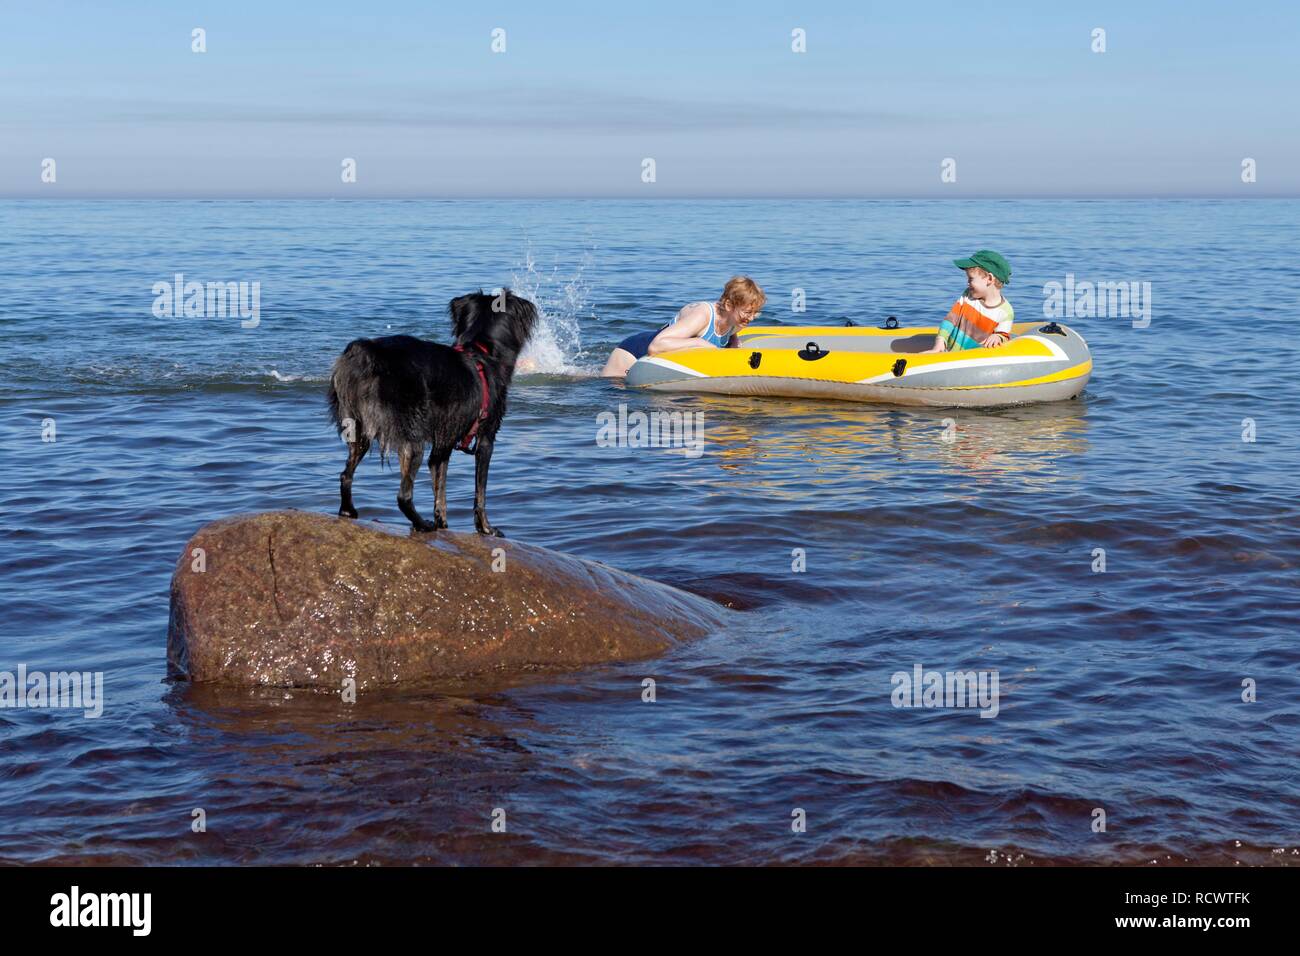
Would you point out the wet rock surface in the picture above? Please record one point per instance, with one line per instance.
(296, 599)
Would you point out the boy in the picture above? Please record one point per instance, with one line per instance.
(980, 318)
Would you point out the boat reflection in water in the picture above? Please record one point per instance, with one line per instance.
(789, 446)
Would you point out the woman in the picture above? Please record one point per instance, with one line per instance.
(699, 325)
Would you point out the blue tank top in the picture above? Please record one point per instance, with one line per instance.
(710, 333)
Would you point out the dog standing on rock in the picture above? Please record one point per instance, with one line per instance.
(406, 393)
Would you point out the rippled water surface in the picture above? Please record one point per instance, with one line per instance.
(1119, 690)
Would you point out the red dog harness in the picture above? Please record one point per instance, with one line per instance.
(483, 410)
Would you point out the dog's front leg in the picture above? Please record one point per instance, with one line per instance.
(438, 472)
(482, 458)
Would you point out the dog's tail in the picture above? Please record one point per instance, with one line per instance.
(354, 399)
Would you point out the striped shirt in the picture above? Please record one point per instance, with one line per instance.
(970, 322)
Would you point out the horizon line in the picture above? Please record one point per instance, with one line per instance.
(707, 197)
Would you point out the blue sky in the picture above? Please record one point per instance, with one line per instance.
(711, 91)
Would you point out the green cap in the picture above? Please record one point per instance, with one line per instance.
(989, 261)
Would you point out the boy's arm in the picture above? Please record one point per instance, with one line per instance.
(1001, 333)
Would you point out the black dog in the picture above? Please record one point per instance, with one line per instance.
(406, 393)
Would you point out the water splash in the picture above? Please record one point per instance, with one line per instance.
(306, 377)
(562, 303)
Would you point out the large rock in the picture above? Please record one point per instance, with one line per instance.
(293, 599)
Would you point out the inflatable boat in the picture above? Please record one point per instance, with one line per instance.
(1043, 362)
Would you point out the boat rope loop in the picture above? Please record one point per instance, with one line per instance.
(812, 352)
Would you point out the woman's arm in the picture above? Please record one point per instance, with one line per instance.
(658, 347)
(685, 331)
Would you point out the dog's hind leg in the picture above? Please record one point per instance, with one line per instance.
(482, 458)
(438, 472)
(356, 451)
(410, 456)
